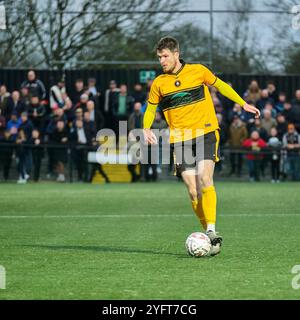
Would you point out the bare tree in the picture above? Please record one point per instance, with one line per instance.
(286, 52)
(134, 38)
(15, 39)
(240, 40)
(58, 33)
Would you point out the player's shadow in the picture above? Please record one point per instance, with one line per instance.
(107, 249)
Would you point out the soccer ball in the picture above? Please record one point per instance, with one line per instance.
(198, 244)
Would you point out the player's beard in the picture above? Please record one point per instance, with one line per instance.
(171, 68)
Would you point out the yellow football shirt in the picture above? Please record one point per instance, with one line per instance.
(185, 101)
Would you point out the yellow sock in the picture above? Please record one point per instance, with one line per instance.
(197, 207)
(209, 203)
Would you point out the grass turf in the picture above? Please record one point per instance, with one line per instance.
(126, 241)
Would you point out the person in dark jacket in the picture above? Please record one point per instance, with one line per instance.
(35, 86)
(14, 105)
(59, 138)
(37, 154)
(81, 137)
(37, 112)
(6, 152)
(23, 152)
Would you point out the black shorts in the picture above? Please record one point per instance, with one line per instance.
(188, 154)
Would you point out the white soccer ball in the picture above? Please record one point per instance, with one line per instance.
(198, 244)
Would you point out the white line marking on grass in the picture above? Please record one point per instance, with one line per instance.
(146, 216)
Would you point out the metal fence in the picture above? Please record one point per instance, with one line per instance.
(89, 167)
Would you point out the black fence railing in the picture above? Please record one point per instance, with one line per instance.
(42, 160)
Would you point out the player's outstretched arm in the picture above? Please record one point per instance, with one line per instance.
(149, 117)
(231, 94)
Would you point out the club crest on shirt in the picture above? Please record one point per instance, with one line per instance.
(177, 83)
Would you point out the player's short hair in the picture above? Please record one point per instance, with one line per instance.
(168, 43)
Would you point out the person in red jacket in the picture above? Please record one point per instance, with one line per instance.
(255, 144)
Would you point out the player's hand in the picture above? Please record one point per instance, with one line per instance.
(247, 107)
(149, 137)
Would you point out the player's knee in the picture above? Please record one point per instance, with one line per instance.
(206, 181)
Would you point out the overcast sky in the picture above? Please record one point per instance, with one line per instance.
(260, 22)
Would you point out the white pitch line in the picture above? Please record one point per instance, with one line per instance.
(145, 216)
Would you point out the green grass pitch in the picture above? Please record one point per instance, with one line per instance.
(126, 241)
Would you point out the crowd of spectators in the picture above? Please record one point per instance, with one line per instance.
(31, 117)
(272, 141)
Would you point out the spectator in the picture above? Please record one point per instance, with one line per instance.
(79, 91)
(57, 93)
(34, 85)
(238, 111)
(122, 107)
(93, 92)
(281, 126)
(237, 134)
(6, 152)
(78, 115)
(279, 107)
(291, 142)
(111, 95)
(295, 113)
(274, 144)
(252, 95)
(13, 125)
(81, 137)
(296, 100)
(272, 91)
(59, 138)
(95, 115)
(263, 134)
(84, 98)
(255, 144)
(273, 111)
(15, 104)
(268, 122)
(2, 124)
(88, 123)
(287, 111)
(92, 87)
(36, 112)
(37, 154)
(264, 99)
(4, 98)
(57, 115)
(138, 94)
(25, 98)
(68, 108)
(135, 120)
(25, 138)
